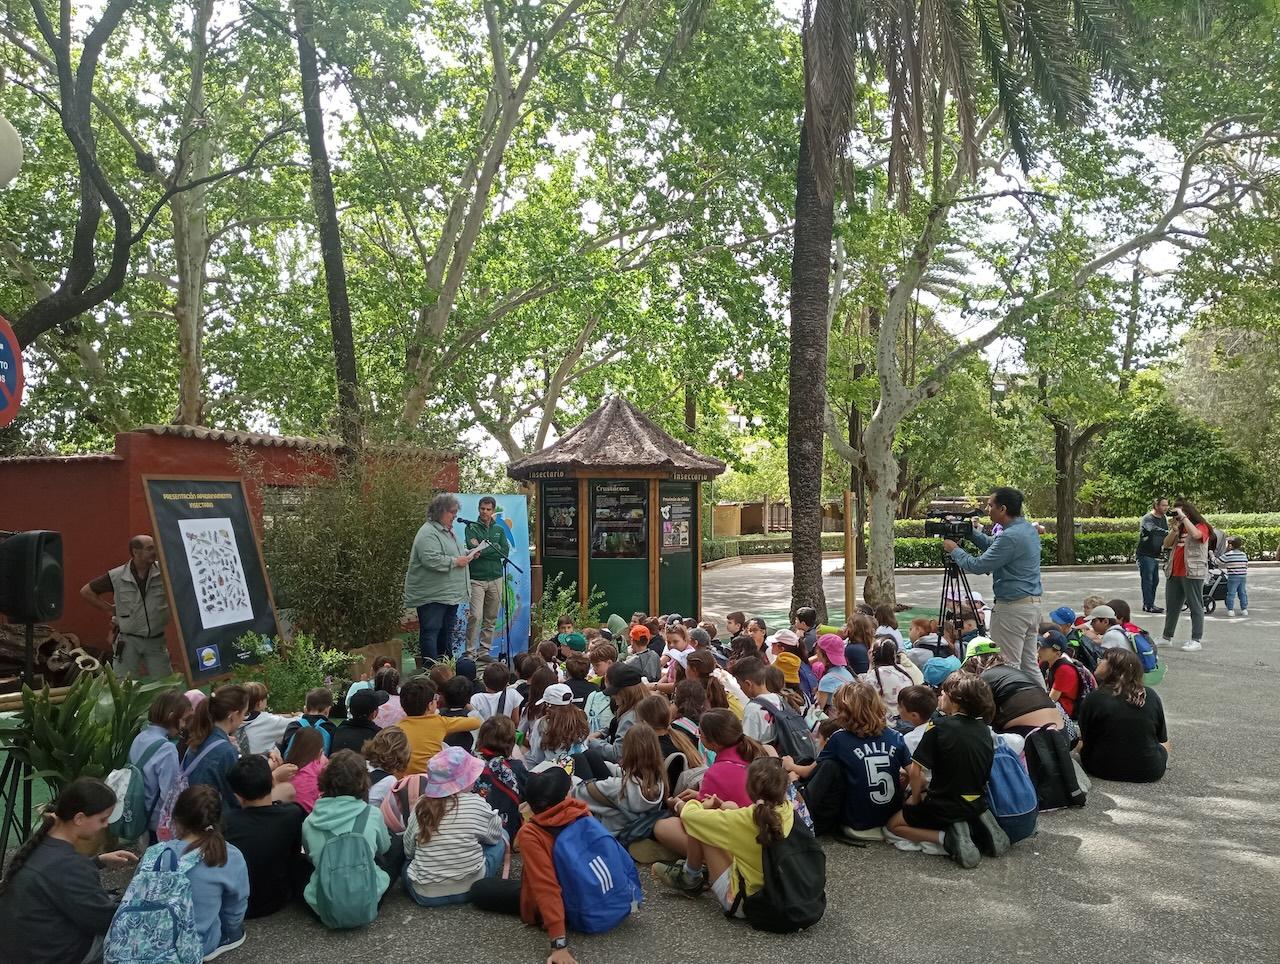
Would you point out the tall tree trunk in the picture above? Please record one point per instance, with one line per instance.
(857, 475)
(882, 483)
(1064, 492)
(335, 272)
(807, 379)
(690, 410)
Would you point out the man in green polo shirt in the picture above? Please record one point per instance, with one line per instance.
(486, 579)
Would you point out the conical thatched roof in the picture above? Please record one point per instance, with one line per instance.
(617, 437)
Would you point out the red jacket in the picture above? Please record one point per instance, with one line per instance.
(540, 899)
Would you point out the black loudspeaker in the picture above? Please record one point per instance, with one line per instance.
(31, 576)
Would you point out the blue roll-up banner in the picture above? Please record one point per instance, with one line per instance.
(513, 513)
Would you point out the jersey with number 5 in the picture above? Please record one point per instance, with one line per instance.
(872, 769)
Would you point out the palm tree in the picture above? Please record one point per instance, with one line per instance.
(920, 50)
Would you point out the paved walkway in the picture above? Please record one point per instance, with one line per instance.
(1180, 872)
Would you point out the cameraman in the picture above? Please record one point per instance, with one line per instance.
(1013, 559)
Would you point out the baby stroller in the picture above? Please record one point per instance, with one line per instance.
(1215, 583)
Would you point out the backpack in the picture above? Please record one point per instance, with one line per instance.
(1011, 796)
(1087, 681)
(1145, 647)
(130, 788)
(156, 920)
(312, 725)
(1086, 651)
(1051, 769)
(598, 880)
(399, 803)
(794, 894)
(790, 731)
(346, 879)
(169, 796)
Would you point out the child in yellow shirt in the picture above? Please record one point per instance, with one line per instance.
(424, 726)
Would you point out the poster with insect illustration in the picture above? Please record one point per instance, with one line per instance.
(222, 594)
(211, 557)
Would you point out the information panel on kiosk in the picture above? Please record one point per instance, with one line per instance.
(213, 567)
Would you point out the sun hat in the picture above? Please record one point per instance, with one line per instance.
(640, 632)
(939, 668)
(789, 663)
(1063, 616)
(1053, 640)
(832, 647)
(784, 637)
(1101, 612)
(619, 677)
(557, 694)
(616, 624)
(452, 770)
(981, 646)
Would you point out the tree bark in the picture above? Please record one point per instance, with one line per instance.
(807, 379)
(882, 493)
(335, 272)
(1064, 492)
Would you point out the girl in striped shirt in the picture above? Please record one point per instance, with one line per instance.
(1236, 563)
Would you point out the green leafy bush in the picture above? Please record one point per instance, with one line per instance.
(89, 733)
(289, 669)
(559, 600)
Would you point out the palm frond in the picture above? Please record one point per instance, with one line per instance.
(830, 58)
(995, 30)
(957, 49)
(1102, 26)
(1049, 52)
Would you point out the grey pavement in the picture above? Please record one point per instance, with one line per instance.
(1179, 872)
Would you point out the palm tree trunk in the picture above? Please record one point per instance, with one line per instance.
(335, 272)
(810, 292)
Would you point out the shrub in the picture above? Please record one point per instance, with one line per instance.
(562, 600)
(291, 668)
(337, 546)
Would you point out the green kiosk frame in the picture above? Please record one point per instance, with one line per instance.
(619, 509)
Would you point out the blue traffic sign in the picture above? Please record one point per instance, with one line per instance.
(11, 379)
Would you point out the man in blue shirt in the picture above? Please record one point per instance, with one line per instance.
(1013, 559)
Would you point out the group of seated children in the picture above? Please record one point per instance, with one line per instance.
(698, 751)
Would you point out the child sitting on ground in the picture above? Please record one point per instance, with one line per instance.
(831, 648)
(359, 728)
(386, 755)
(957, 751)
(154, 754)
(366, 682)
(690, 701)
(757, 722)
(627, 803)
(341, 809)
(925, 641)
(576, 669)
(219, 879)
(456, 697)
(917, 708)
(268, 836)
(453, 837)
(560, 731)
(726, 842)
(261, 730)
(319, 704)
(1063, 676)
(499, 696)
(598, 707)
(860, 636)
(387, 681)
(886, 676)
(306, 752)
(502, 783)
(426, 728)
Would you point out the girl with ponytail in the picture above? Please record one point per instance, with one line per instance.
(155, 755)
(51, 894)
(211, 749)
(726, 842)
(220, 880)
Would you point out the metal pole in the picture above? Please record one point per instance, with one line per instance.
(850, 558)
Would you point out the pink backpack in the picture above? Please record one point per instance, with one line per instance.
(400, 801)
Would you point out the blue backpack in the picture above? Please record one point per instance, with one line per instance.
(156, 921)
(1145, 648)
(598, 879)
(1011, 796)
(311, 725)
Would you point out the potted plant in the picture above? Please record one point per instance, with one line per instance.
(290, 668)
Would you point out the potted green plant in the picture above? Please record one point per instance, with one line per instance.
(292, 667)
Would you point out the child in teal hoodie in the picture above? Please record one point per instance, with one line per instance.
(344, 791)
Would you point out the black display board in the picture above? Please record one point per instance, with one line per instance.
(560, 519)
(620, 523)
(214, 573)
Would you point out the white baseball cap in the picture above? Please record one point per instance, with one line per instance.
(557, 694)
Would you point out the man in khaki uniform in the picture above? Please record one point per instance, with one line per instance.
(139, 610)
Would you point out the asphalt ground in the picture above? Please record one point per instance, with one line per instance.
(1185, 870)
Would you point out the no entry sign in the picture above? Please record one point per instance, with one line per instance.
(10, 374)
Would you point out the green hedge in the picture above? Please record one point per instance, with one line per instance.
(1092, 548)
(1231, 521)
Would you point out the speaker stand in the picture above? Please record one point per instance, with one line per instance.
(15, 777)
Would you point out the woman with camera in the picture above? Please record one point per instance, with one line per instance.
(1185, 571)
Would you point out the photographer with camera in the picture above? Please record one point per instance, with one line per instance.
(1185, 572)
(1013, 559)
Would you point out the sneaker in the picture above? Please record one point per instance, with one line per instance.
(1244, 612)
(989, 835)
(1191, 646)
(1231, 612)
(223, 948)
(959, 845)
(673, 876)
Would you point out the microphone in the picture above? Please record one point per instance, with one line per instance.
(465, 522)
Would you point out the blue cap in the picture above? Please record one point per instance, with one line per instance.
(1063, 616)
(939, 668)
(1053, 640)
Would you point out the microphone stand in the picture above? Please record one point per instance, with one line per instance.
(506, 629)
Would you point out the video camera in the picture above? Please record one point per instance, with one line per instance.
(952, 520)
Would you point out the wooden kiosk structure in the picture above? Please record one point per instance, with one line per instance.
(619, 509)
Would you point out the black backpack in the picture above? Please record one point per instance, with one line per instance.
(790, 731)
(1051, 769)
(794, 895)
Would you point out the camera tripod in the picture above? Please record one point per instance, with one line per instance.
(16, 776)
(955, 586)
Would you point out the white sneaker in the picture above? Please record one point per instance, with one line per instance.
(934, 849)
(1230, 612)
(1244, 612)
(1191, 646)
